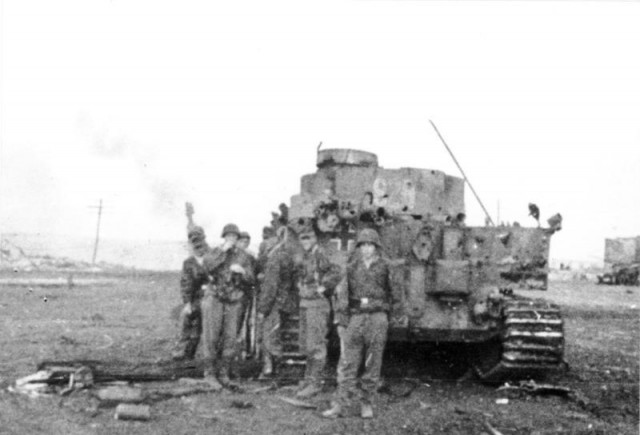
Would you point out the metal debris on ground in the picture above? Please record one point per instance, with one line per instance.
(502, 401)
(298, 403)
(117, 394)
(54, 380)
(241, 404)
(271, 387)
(126, 411)
(531, 387)
(34, 385)
(491, 429)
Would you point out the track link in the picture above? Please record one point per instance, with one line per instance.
(291, 364)
(532, 342)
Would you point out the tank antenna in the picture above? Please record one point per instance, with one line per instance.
(463, 174)
(319, 145)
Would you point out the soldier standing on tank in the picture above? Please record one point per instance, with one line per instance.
(364, 306)
(192, 282)
(231, 273)
(316, 279)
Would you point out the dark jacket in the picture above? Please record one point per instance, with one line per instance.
(192, 279)
(278, 289)
(227, 285)
(313, 269)
(366, 290)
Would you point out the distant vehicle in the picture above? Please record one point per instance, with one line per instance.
(622, 259)
(457, 280)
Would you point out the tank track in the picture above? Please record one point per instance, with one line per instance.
(292, 363)
(531, 344)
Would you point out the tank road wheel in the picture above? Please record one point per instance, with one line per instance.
(291, 365)
(531, 345)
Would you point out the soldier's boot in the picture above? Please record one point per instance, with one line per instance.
(309, 390)
(366, 410)
(179, 352)
(223, 377)
(211, 380)
(267, 367)
(191, 348)
(334, 412)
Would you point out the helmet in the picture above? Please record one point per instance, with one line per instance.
(244, 235)
(230, 229)
(368, 235)
(196, 235)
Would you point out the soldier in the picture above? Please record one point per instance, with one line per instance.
(244, 239)
(278, 297)
(269, 242)
(193, 279)
(231, 273)
(363, 312)
(316, 279)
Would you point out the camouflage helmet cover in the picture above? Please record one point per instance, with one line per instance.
(230, 229)
(196, 235)
(368, 235)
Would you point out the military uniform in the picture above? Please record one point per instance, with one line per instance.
(192, 280)
(363, 309)
(314, 270)
(221, 306)
(278, 296)
(246, 306)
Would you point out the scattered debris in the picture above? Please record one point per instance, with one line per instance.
(531, 387)
(502, 401)
(491, 429)
(241, 404)
(298, 403)
(34, 385)
(576, 415)
(271, 387)
(126, 411)
(117, 394)
(190, 387)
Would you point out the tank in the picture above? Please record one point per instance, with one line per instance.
(622, 261)
(457, 281)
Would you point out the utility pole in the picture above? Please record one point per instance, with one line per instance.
(95, 246)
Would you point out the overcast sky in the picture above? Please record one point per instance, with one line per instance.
(148, 104)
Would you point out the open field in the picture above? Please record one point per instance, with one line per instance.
(128, 318)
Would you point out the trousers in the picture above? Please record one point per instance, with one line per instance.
(364, 338)
(314, 319)
(219, 331)
(190, 330)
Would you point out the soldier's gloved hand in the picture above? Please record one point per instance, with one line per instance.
(188, 309)
(321, 289)
(227, 245)
(236, 268)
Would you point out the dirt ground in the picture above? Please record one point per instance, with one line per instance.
(128, 318)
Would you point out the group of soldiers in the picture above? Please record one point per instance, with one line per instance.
(291, 275)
